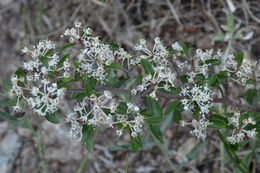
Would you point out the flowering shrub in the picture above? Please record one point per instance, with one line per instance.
(203, 84)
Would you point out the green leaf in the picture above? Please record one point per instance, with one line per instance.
(153, 107)
(20, 73)
(67, 46)
(49, 53)
(113, 46)
(172, 91)
(222, 77)
(90, 86)
(220, 37)
(175, 109)
(232, 155)
(53, 118)
(250, 94)
(121, 108)
(196, 112)
(6, 86)
(44, 60)
(213, 62)
(250, 81)
(184, 79)
(62, 60)
(218, 121)
(120, 148)
(239, 58)
(135, 143)
(185, 49)
(78, 95)
(8, 102)
(196, 150)
(230, 19)
(87, 132)
(212, 80)
(115, 66)
(172, 52)
(156, 131)
(21, 84)
(62, 84)
(14, 121)
(148, 69)
(139, 79)
(151, 119)
(76, 64)
(115, 82)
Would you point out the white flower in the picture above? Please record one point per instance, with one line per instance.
(77, 24)
(182, 123)
(177, 46)
(239, 131)
(108, 94)
(24, 50)
(133, 91)
(119, 132)
(134, 134)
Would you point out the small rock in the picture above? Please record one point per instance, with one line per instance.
(58, 145)
(9, 149)
(186, 148)
(24, 132)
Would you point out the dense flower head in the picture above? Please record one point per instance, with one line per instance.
(34, 84)
(199, 95)
(240, 131)
(95, 55)
(102, 111)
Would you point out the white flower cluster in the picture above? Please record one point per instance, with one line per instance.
(36, 87)
(229, 62)
(95, 55)
(239, 132)
(198, 96)
(159, 53)
(200, 128)
(161, 74)
(134, 124)
(246, 71)
(97, 111)
(158, 58)
(200, 58)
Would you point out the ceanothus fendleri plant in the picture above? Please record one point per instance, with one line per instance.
(192, 82)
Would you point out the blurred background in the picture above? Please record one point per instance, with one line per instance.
(44, 147)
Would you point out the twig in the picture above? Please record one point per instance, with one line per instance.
(83, 162)
(226, 100)
(54, 32)
(174, 13)
(250, 13)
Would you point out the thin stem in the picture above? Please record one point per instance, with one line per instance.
(40, 148)
(229, 46)
(164, 151)
(83, 162)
